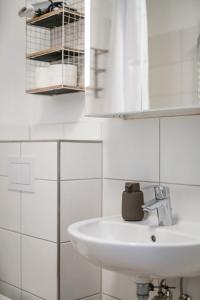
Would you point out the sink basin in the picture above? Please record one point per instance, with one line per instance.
(141, 249)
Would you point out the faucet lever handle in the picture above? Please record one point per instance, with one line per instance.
(161, 192)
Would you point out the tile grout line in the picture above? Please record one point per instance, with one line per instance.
(58, 219)
(20, 193)
(159, 149)
(27, 235)
(143, 181)
(111, 296)
(102, 197)
(87, 297)
(21, 290)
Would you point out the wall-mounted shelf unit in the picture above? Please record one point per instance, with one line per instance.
(55, 90)
(55, 50)
(55, 18)
(53, 54)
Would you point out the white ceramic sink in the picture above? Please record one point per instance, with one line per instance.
(128, 247)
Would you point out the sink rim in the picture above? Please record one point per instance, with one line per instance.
(73, 230)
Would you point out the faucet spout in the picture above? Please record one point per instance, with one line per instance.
(162, 204)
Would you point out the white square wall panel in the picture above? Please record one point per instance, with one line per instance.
(39, 267)
(118, 285)
(79, 278)
(6, 150)
(10, 291)
(180, 150)
(45, 158)
(184, 199)
(10, 257)
(21, 174)
(81, 160)
(79, 200)
(131, 149)
(39, 211)
(9, 207)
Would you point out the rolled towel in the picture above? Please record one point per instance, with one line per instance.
(65, 74)
(27, 11)
(42, 77)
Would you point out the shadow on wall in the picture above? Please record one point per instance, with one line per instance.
(57, 109)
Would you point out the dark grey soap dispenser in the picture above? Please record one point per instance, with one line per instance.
(132, 201)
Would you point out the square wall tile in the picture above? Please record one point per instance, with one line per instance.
(179, 150)
(79, 200)
(118, 285)
(39, 267)
(81, 160)
(79, 278)
(10, 257)
(10, 291)
(168, 101)
(39, 211)
(9, 207)
(6, 150)
(45, 158)
(165, 80)
(165, 48)
(112, 197)
(131, 149)
(184, 199)
(189, 38)
(189, 77)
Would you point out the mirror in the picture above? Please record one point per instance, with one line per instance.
(142, 56)
(114, 62)
(174, 53)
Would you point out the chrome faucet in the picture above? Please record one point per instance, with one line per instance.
(162, 204)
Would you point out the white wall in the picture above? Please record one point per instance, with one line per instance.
(63, 114)
(173, 33)
(151, 151)
(16, 106)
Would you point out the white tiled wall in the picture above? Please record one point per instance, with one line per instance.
(6, 150)
(80, 199)
(10, 291)
(10, 257)
(173, 54)
(125, 150)
(151, 151)
(45, 159)
(81, 189)
(9, 207)
(29, 242)
(39, 206)
(80, 161)
(79, 278)
(39, 267)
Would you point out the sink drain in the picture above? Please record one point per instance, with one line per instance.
(153, 238)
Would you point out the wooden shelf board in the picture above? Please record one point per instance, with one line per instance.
(53, 54)
(55, 18)
(55, 90)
